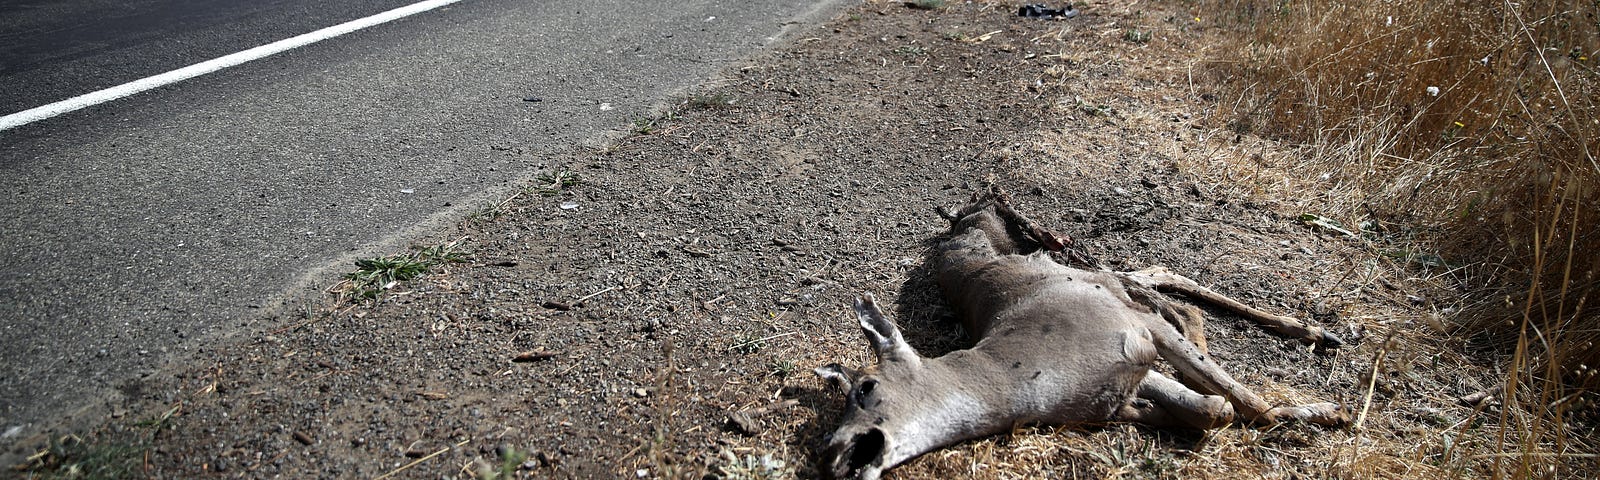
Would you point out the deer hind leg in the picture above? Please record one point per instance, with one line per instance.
(1203, 374)
(1163, 402)
(1165, 281)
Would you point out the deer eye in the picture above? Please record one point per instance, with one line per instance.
(865, 390)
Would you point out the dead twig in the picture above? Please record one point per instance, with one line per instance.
(1372, 381)
(592, 295)
(534, 356)
(747, 420)
(420, 460)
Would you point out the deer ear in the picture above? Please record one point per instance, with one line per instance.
(836, 375)
(881, 333)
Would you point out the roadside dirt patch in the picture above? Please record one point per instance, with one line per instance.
(706, 263)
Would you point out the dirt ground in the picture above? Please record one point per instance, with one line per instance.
(706, 263)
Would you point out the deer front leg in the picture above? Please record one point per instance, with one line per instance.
(1325, 414)
(1163, 402)
(1202, 373)
(1164, 281)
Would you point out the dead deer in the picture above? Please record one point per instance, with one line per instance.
(1057, 345)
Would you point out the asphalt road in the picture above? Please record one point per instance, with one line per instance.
(55, 49)
(135, 232)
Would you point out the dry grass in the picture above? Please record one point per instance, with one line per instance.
(1459, 137)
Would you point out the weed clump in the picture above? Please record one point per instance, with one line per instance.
(709, 101)
(377, 274)
(553, 183)
(70, 457)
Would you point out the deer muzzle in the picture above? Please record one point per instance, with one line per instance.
(855, 456)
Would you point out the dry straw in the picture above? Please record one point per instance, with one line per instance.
(1460, 136)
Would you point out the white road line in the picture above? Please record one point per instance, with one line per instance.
(40, 113)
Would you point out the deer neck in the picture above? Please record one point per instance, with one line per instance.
(964, 399)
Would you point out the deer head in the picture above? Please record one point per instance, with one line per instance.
(899, 408)
(1007, 230)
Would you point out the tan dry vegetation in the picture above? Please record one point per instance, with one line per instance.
(1459, 136)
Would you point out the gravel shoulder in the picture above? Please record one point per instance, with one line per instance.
(707, 259)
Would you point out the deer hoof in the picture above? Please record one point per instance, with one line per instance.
(1326, 343)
